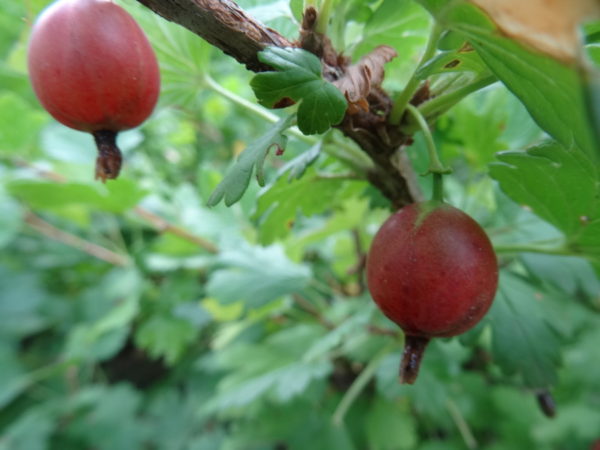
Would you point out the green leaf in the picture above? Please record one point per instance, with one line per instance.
(296, 6)
(31, 431)
(21, 299)
(11, 218)
(403, 25)
(299, 78)
(560, 186)
(578, 421)
(165, 337)
(108, 417)
(114, 196)
(297, 166)
(551, 90)
(428, 396)
(183, 58)
(571, 274)
(12, 377)
(390, 426)
(340, 335)
(256, 276)
(109, 308)
(459, 60)
(274, 367)
(236, 180)
(103, 338)
(25, 124)
(278, 207)
(473, 129)
(523, 341)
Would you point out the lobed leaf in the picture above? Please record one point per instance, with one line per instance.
(561, 186)
(523, 341)
(550, 89)
(299, 78)
(236, 181)
(256, 276)
(277, 208)
(115, 196)
(167, 337)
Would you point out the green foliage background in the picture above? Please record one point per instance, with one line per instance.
(133, 316)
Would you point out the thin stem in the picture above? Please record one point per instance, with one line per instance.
(29, 379)
(435, 165)
(358, 385)
(441, 104)
(74, 241)
(401, 101)
(311, 309)
(534, 248)
(338, 176)
(354, 157)
(165, 226)
(323, 16)
(438, 187)
(461, 424)
(160, 223)
(252, 107)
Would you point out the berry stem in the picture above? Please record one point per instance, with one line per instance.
(414, 347)
(108, 162)
(435, 165)
(438, 187)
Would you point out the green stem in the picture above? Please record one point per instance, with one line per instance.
(435, 165)
(401, 101)
(438, 187)
(461, 424)
(359, 384)
(33, 377)
(534, 248)
(441, 104)
(338, 176)
(323, 16)
(240, 101)
(351, 156)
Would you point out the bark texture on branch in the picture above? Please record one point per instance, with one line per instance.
(223, 24)
(226, 26)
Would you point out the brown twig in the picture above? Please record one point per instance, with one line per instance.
(361, 261)
(310, 308)
(224, 25)
(167, 227)
(158, 222)
(74, 241)
(383, 331)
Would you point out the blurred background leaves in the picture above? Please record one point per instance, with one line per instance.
(132, 316)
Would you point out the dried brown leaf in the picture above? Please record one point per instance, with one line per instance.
(547, 25)
(360, 78)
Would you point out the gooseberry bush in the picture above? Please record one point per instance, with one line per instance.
(307, 162)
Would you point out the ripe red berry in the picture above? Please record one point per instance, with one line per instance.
(93, 69)
(432, 270)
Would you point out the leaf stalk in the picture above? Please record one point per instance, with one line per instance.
(403, 98)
